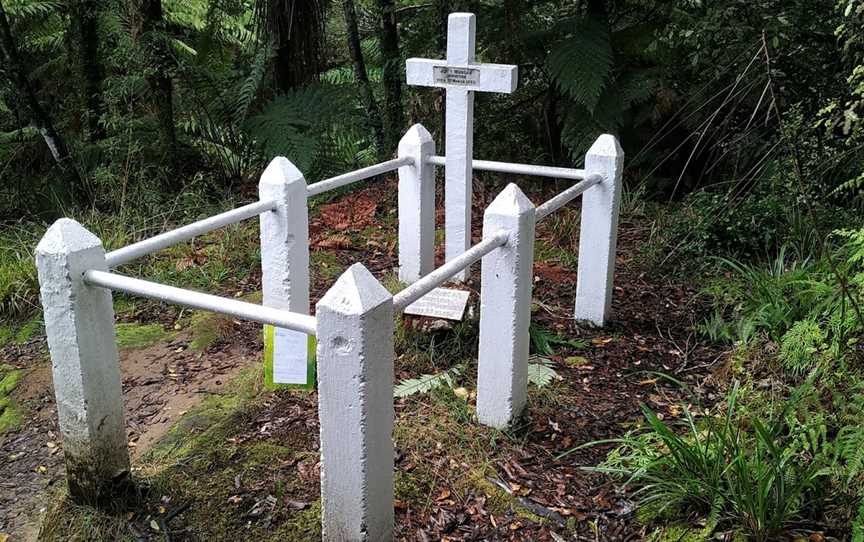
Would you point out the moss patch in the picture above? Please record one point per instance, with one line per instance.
(10, 414)
(136, 336)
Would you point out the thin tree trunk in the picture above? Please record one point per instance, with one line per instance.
(297, 29)
(39, 117)
(512, 21)
(85, 16)
(392, 76)
(161, 84)
(373, 114)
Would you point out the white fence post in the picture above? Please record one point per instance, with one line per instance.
(505, 310)
(285, 264)
(79, 322)
(599, 232)
(416, 206)
(355, 408)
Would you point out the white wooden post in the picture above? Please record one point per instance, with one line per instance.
(355, 408)
(416, 206)
(285, 264)
(79, 322)
(505, 310)
(461, 76)
(598, 236)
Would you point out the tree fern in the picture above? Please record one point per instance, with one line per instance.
(292, 124)
(582, 64)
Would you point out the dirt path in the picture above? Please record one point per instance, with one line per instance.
(160, 383)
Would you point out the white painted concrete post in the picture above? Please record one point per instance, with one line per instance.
(598, 236)
(355, 408)
(462, 77)
(79, 322)
(416, 206)
(505, 310)
(285, 261)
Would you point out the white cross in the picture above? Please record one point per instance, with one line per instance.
(461, 77)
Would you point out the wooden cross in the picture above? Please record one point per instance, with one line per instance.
(461, 77)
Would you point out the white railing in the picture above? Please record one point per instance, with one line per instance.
(353, 323)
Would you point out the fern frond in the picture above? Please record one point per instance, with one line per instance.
(542, 372)
(425, 383)
(582, 64)
(292, 124)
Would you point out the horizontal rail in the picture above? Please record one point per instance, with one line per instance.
(442, 274)
(566, 197)
(173, 237)
(197, 300)
(522, 169)
(359, 175)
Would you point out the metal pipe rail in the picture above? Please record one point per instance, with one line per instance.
(522, 169)
(173, 237)
(198, 300)
(359, 175)
(566, 197)
(438, 277)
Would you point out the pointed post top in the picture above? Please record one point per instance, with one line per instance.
(281, 171)
(606, 145)
(66, 236)
(417, 133)
(356, 292)
(511, 201)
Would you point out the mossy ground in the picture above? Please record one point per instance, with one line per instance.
(135, 336)
(10, 413)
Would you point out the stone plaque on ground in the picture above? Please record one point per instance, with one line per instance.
(444, 303)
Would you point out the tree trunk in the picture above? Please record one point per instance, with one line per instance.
(373, 114)
(392, 75)
(512, 21)
(85, 15)
(39, 117)
(296, 27)
(161, 84)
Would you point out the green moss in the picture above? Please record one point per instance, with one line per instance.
(325, 265)
(28, 330)
(680, 533)
(207, 327)
(136, 336)
(10, 414)
(300, 526)
(10, 333)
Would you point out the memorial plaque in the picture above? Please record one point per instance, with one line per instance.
(289, 358)
(443, 303)
(460, 77)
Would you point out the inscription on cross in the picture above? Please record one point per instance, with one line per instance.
(461, 77)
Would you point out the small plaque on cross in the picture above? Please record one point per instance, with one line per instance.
(445, 303)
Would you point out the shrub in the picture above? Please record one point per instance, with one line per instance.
(758, 473)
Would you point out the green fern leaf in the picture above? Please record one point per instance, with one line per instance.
(425, 383)
(294, 124)
(542, 373)
(582, 64)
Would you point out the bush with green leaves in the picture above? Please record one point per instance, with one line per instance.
(759, 471)
(812, 308)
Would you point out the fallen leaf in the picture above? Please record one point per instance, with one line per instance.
(335, 242)
(444, 495)
(576, 361)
